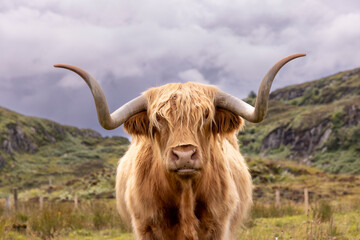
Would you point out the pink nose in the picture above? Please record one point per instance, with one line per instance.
(184, 156)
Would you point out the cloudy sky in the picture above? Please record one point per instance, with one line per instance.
(130, 46)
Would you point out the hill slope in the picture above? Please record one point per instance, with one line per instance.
(315, 122)
(32, 150)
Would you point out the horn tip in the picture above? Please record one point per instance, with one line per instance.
(59, 65)
(300, 54)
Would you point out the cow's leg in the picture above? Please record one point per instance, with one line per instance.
(211, 227)
(145, 232)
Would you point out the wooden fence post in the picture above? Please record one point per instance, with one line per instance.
(15, 192)
(76, 201)
(41, 202)
(277, 198)
(306, 201)
(7, 204)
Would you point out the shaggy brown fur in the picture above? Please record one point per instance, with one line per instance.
(153, 200)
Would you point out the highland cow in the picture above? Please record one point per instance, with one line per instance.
(183, 176)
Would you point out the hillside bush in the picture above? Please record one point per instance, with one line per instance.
(336, 119)
(322, 211)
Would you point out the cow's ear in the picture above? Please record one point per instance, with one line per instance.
(226, 121)
(137, 124)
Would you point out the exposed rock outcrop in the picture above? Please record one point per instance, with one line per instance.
(352, 115)
(301, 142)
(287, 95)
(17, 140)
(304, 142)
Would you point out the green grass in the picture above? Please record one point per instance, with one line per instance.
(99, 220)
(332, 198)
(341, 226)
(58, 220)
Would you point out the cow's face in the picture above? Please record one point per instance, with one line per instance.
(182, 123)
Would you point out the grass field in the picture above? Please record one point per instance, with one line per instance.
(334, 211)
(98, 220)
(342, 225)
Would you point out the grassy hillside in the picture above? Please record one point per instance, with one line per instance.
(316, 123)
(34, 150)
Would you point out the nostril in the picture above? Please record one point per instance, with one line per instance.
(174, 156)
(195, 155)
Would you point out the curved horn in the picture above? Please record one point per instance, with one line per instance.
(119, 116)
(248, 112)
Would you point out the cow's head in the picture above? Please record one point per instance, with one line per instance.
(182, 119)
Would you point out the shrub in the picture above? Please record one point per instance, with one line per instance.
(336, 119)
(48, 222)
(252, 94)
(323, 211)
(100, 218)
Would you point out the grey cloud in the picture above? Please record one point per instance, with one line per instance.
(131, 46)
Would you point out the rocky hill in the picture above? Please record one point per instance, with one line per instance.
(34, 151)
(316, 123)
